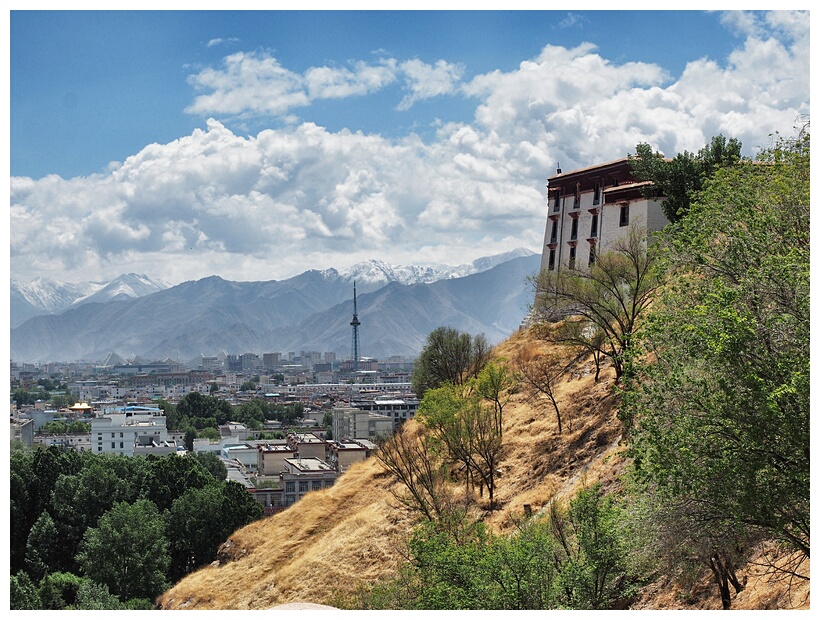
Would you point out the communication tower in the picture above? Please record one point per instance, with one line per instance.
(355, 324)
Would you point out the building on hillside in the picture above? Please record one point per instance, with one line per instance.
(590, 209)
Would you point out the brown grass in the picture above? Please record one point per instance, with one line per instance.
(335, 540)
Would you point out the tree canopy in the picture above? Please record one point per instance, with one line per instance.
(720, 411)
(679, 179)
(449, 356)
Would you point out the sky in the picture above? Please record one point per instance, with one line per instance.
(257, 145)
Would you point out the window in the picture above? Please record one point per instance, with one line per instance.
(303, 486)
(596, 197)
(120, 434)
(112, 435)
(113, 445)
(120, 445)
(317, 485)
(552, 260)
(574, 234)
(557, 205)
(572, 258)
(554, 232)
(577, 203)
(593, 230)
(591, 255)
(290, 487)
(624, 215)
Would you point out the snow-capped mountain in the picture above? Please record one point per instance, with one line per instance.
(126, 286)
(44, 296)
(378, 272)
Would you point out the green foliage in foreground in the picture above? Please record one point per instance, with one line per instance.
(572, 558)
(99, 531)
(721, 416)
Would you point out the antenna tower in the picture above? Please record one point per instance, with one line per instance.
(355, 324)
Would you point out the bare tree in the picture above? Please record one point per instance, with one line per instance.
(607, 299)
(411, 458)
(540, 376)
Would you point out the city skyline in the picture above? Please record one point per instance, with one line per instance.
(255, 146)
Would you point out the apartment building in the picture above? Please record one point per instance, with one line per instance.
(351, 423)
(123, 429)
(399, 409)
(304, 475)
(590, 209)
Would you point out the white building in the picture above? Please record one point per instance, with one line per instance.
(590, 209)
(121, 430)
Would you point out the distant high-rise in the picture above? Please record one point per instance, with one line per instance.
(355, 324)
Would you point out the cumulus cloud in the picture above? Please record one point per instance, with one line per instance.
(425, 81)
(255, 83)
(270, 205)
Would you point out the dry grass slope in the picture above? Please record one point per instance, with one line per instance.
(334, 540)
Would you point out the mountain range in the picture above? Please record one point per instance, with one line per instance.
(397, 306)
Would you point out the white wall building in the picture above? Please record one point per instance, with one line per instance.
(120, 430)
(590, 209)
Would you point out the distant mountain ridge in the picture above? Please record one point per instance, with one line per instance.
(310, 311)
(45, 296)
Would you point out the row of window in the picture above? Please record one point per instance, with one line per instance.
(596, 197)
(572, 255)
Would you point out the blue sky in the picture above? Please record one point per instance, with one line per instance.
(255, 145)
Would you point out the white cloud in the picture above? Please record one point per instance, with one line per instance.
(425, 81)
(255, 83)
(220, 41)
(271, 205)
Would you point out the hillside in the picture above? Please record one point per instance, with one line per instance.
(322, 548)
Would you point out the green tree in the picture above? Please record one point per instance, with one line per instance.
(170, 476)
(679, 179)
(128, 551)
(469, 428)
(591, 552)
(497, 384)
(55, 427)
(33, 476)
(23, 593)
(212, 464)
(43, 547)
(601, 306)
(202, 519)
(92, 595)
(721, 417)
(210, 433)
(59, 590)
(449, 356)
(78, 427)
(198, 407)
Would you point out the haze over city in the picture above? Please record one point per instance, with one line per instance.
(257, 145)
